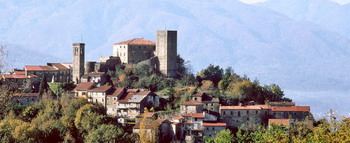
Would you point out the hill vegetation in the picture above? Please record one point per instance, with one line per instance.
(60, 117)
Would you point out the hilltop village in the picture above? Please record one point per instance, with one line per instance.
(199, 115)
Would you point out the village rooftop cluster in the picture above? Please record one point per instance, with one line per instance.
(202, 115)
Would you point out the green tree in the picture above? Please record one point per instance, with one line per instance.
(88, 118)
(224, 136)
(105, 134)
(57, 88)
(213, 73)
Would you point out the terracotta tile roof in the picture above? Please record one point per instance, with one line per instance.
(93, 74)
(213, 124)
(100, 89)
(39, 68)
(59, 66)
(346, 119)
(84, 86)
(284, 122)
(136, 41)
(118, 92)
(241, 107)
(191, 102)
(19, 72)
(26, 94)
(194, 115)
(292, 109)
(16, 76)
(127, 97)
(178, 118)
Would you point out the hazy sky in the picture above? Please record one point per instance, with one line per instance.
(255, 1)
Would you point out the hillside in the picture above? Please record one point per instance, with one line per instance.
(259, 42)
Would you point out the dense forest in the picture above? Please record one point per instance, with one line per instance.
(60, 117)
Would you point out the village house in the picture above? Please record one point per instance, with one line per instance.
(99, 78)
(191, 107)
(250, 116)
(54, 72)
(210, 104)
(81, 90)
(25, 98)
(18, 78)
(133, 102)
(298, 113)
(99, 95)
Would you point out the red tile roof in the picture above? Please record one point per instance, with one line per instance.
(346, 119)
(292, 109)
(127, 97)
(195, 115)
(284, 122)
(178, 118)
(84, 86)
(16, 76)
(59, 66)
(192, 102)
(39, 68)
(241, 107)
(101, 89)
(118, 92)
(136, 41)
(93, 74)
(213, 124)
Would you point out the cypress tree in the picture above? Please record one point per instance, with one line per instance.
(43, 85)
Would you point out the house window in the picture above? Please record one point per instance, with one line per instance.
(247, 112)
(239, 114)
(247, 119)
(224, 112)
(195, 119)
(231, 113)
(102, 100)
(213, 128)
(195, 99)
(257, 112)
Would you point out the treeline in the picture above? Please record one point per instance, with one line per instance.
(326, 131)
(65, 120)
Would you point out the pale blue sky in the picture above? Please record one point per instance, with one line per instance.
(255, 1)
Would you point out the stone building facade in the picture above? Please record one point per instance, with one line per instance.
(134, 51)
(161, 55)
(166, 51)
(191, 107)
(250, 116)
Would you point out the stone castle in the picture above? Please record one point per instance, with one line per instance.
(160, 54)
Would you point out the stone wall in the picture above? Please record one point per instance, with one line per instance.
(166, 51)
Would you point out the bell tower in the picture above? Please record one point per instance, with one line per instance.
(78, 61)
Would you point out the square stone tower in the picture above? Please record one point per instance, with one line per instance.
(166, 51)
(78, 61)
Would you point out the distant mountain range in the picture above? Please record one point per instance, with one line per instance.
(302, 45)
